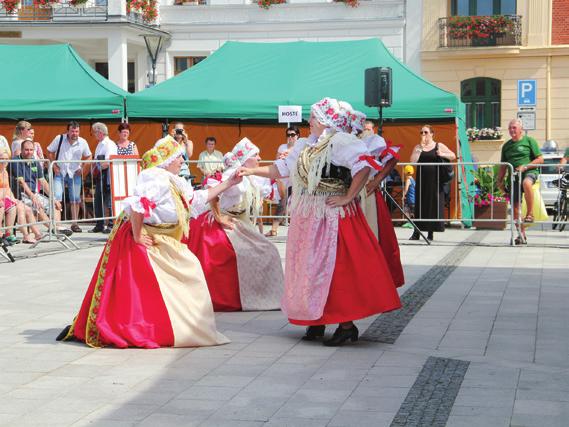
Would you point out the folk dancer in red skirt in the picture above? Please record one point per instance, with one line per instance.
(243, 268)
(335, 271)
(148, 289)
(373, 204)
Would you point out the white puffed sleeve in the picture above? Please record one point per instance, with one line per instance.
(375, 144)
(350, 152)
(199, 203)
(264, 186)
(150, 192)
(391, 151)
(233, 195)
(286, 165)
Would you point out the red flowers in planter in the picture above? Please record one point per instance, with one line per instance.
(10, 6)
(147, 8)
(482, 27)
(265, 4)
(351, 3)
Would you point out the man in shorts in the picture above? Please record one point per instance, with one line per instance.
(523, 153)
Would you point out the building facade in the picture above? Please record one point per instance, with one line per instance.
(481, 49)
(109, 35)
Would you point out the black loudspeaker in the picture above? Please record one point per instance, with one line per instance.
(378, 87)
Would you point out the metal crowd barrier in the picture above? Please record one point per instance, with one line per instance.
(84, 206)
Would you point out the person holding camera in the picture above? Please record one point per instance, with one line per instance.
(181, 137)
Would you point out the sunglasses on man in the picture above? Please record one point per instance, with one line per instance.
(290, 135)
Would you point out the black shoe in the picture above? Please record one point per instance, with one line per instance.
(430, 236)
(107, 230)
(97, 229)
(65, 232)
(63, 333)
(314, 332)
(342, 335)
(415, 236)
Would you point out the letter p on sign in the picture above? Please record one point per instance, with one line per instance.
(527, 92)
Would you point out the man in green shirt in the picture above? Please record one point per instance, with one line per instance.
(523, 153)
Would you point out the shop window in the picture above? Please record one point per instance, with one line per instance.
(482, 98)
(182, 63)
(103, 69)
(482, 7)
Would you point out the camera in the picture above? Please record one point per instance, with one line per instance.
(179, 131)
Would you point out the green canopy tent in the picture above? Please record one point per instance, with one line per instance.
(53, 82)
(249, 80)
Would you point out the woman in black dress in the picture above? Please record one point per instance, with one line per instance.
(429, 191)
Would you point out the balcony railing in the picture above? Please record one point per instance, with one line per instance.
(64, 11)
(480, 31)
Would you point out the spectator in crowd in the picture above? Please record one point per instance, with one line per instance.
(409, 190)
(12, 207)
(430, 197)
(38, 151)
(283, 185)
(181, 137)
(100, 172)
(523, 153)
(32, 187)
(565, 159)
(125, 147)
(69, 148)
(210, 160)
(368, 126)
(4, 145)
(21, 132)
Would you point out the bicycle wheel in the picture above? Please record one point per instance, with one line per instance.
(555, 215)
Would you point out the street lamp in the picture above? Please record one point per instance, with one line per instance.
(153, 45)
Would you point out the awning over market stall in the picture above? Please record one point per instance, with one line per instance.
(53, 82)
(249, 80)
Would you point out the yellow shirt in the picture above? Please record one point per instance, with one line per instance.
(210, 163)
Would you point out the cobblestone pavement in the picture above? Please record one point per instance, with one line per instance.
(493, 336)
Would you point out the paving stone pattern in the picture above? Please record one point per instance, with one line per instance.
(430, 399)
(387, 327)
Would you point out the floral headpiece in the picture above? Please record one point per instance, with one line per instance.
(328, 112)
(230, 160)
(151, 159)
(357, 121)
(244, 150)
(168, 149)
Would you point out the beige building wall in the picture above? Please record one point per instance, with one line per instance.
(535, 59)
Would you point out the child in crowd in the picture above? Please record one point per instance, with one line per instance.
(409, 192)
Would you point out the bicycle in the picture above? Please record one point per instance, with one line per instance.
(561, 216)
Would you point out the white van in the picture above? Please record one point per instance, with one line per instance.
(548, 174)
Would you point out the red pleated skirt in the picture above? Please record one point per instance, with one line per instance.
(212, 247)
(388, 241)
(361, 283)
(125, 299)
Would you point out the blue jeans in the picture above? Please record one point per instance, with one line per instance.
(73, 185)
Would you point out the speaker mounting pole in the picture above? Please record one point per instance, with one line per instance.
(380, 121)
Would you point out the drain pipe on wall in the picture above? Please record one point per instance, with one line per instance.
(548, 75)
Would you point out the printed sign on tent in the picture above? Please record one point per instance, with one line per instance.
(290, 113)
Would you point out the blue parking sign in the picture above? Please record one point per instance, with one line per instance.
(527, 92)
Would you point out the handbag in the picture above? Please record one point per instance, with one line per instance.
(446, 172)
